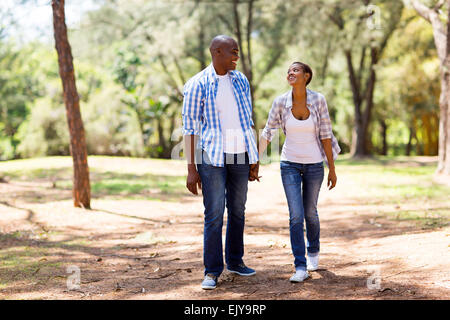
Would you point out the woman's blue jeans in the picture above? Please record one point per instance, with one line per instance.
(301, 184)
(224, 186)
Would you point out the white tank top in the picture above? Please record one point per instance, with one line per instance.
(301, 144)
(233, 136)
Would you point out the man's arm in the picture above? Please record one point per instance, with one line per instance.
(193, 178)
(191, 115)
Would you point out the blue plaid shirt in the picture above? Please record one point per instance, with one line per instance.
(200, 116)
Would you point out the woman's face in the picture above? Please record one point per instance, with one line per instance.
(296, 75)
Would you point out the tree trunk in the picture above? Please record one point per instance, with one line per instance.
(384, 128)
(441, 37)
(359, 146)
(444, 120)
(78, 150)
(202, 44)
(412, 135)
(161, 139)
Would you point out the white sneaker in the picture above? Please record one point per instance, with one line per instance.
(312, 263)
(299, 276)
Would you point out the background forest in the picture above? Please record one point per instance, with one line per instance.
(375, 62)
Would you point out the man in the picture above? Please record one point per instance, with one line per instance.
(217, 111)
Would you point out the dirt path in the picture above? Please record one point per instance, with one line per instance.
(140, 249)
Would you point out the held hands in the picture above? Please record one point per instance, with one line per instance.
(254, 169)
(332, 179)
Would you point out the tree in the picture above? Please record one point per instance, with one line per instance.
(78, 150)
(365, 44)
(441, 34)
(273, 25)
(18, 86)
(411, 109)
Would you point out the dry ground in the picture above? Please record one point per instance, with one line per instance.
(385, 221)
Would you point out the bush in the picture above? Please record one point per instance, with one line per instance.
(45, 130)
(111, 127)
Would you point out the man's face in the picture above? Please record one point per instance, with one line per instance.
(228, 55)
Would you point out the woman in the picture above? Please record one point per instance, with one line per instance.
(303, 116)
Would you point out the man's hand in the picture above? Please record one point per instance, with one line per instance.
(193, 180)
(331, 179)
(254, 169)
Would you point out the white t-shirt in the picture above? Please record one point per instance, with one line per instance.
(233, 136)
(301, 144)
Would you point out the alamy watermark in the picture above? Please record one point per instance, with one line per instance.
(74, 279)
(374, 280)
(373, 22)
(178, 152)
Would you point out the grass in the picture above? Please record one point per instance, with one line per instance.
(29, 256)
(426, 219)
(24, 263)
(104, 182)
(372, 181)
(117, 184)
(400, 181)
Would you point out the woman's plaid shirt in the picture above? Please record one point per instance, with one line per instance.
(318, 108)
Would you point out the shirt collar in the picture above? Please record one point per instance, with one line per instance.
(289, 98)
(213, 75)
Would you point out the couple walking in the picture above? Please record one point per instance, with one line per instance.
(222, 157)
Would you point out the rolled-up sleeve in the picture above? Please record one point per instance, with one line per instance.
(325, 130)
(273, 121)
(249, 98)
(192, 108)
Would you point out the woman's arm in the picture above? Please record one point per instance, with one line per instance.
(332, 178)
(263, 143)
(325, 134)
(273, 123)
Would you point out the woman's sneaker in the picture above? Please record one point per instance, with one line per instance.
(312, 263)
(299, 276)
(210, 282)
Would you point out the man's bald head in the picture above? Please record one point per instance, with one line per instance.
(220, 42)
(224, 52)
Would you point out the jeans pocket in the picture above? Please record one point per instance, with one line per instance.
(316, 170)
(289, 175)
(289, 179)
(318, 165)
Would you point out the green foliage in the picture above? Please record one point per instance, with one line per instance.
(45, 130)
(408, 94)
(17, 87)
(132, 59)
(112, 127)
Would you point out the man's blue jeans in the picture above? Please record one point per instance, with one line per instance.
(222, 186)
(301, 184)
